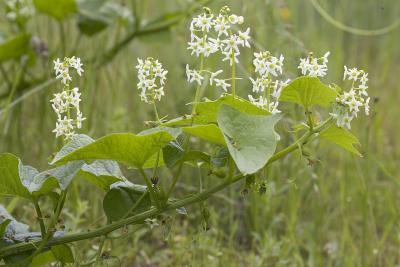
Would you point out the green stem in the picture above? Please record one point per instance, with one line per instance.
(40, 217)
(233, 82)
(50, 229)
(139, 218)
(156, 112)
(310, 121)
(301, 141)
(150, 187)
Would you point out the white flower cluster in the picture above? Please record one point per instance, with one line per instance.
(152, 77)
(313, 66)
(66, 103)
(220, 26)
(267, 67)
(62, 68)
(19, 9)
(349, 103)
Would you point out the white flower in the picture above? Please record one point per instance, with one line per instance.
(221, 25)
(213, 75)
(61, 68)
(152, 77)
(222, 83)
(313, 66)
(244, 37)
(193, 75)
(204, 22)
(349, 102)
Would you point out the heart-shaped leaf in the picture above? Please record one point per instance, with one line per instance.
(130, 149)
(308, 91)
(251, 139)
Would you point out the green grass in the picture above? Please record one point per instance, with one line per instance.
(342, 211)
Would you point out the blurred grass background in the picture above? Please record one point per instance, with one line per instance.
(342, 211)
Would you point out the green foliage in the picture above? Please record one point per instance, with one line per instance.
(59, 9)
(206, 112)
(63, 253)
(342, 138)
(102, 173)
(307, 92)
(3, 227)
(96, 15)
(130, 149)
(15, 47)
(119, 200)
(251, 139)
(10, 182)
(208, 132)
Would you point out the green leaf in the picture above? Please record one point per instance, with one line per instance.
(40, 183)
(3, 227)
(43, 259)
(97, 15)
(15, 47)
(172, 154)
(10, 182)
(102, 173)
(308, 91)
(59, 9)
(251, 139)
(206, 112)
(63, 253)
(208, 132)
(119, 200)
(127, 148)
(342, 138)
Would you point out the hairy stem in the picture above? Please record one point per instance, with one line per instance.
(40, 218)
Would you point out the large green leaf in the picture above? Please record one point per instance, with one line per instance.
(308, 91)
(342, 138)
(59, 9)
(127, 148)
(251, 139)
(206, 112)
(10, 182)
(120, 199)
(39, 183)
(208, 132)
(15, 47)
(102, 173)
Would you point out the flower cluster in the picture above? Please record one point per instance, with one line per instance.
(210, 34)
(226, 41)
(348, 103)
(62, 68)
(267, 67)
(19, 9)
(66, 103)
(313, 66)
(152, 77)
